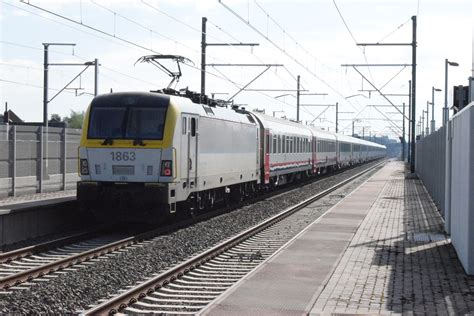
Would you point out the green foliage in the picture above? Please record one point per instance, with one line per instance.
(75, 119)
(55, 117)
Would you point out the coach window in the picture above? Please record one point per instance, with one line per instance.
(279, 144)
(193, 127)
(274, 149)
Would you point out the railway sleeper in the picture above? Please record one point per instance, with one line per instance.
(159, 295)
(214, 277)
(230, 265)
(170, 307)
(188, 292)
(203, 283)
(220, 273)
(158, 312)
(166, 300)
(196, 287)
(230, 268)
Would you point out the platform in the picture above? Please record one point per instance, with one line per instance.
(23, 201)
(36, 215)
(381, 250)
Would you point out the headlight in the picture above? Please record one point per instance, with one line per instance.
(84, 167)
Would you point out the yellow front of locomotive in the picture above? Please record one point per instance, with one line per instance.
(126, 154)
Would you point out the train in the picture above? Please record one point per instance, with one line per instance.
(154, 154)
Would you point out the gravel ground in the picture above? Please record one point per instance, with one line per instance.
(73, 292)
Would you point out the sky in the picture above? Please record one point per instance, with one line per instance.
(309, 38)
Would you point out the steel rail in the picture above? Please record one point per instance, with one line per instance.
(123, 300)
(16, 254)
(28, 275)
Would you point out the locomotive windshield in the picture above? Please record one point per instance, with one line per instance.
(126, 116)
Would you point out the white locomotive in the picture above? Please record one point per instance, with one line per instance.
(169, 152)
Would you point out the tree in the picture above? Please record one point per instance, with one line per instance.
(75, 119)
(56, 117)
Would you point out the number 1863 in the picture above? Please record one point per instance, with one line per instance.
(122, 155)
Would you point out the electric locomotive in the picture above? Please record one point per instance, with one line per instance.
(156, 153)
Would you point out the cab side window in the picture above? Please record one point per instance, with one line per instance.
(193, 127)
(184, 126)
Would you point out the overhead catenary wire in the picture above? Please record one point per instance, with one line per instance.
(131, 42)
(115, 13)
(31, 85)
(89, 27)
(191, 27)
(107, 34)
(282, 50)
(394, 31)
(221, 29)
(114, 37)
(210, 73)
(363, 51)
(353, 37)
(78, 57)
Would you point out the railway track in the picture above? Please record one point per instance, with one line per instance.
(192, 285)
(20, 268)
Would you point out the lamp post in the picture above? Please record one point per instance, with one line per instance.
(427, 132)
(445, 109)
(433, 127)
(422, 131)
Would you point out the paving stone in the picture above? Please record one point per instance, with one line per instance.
(399, 261)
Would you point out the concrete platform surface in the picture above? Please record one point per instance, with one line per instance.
(35, 200)
(381, 250)
(36, 215)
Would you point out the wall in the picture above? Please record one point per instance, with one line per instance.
(430, 165)
(29, 164)
(446, 167)
(462, 186)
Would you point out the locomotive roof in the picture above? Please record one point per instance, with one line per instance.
(185, 105)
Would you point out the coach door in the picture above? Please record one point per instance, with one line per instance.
(314, 153)
(189, 148)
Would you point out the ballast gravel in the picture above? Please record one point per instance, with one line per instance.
(74, 292)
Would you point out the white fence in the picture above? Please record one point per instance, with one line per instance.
(445, 163)
(430, 165)
(33, 161)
